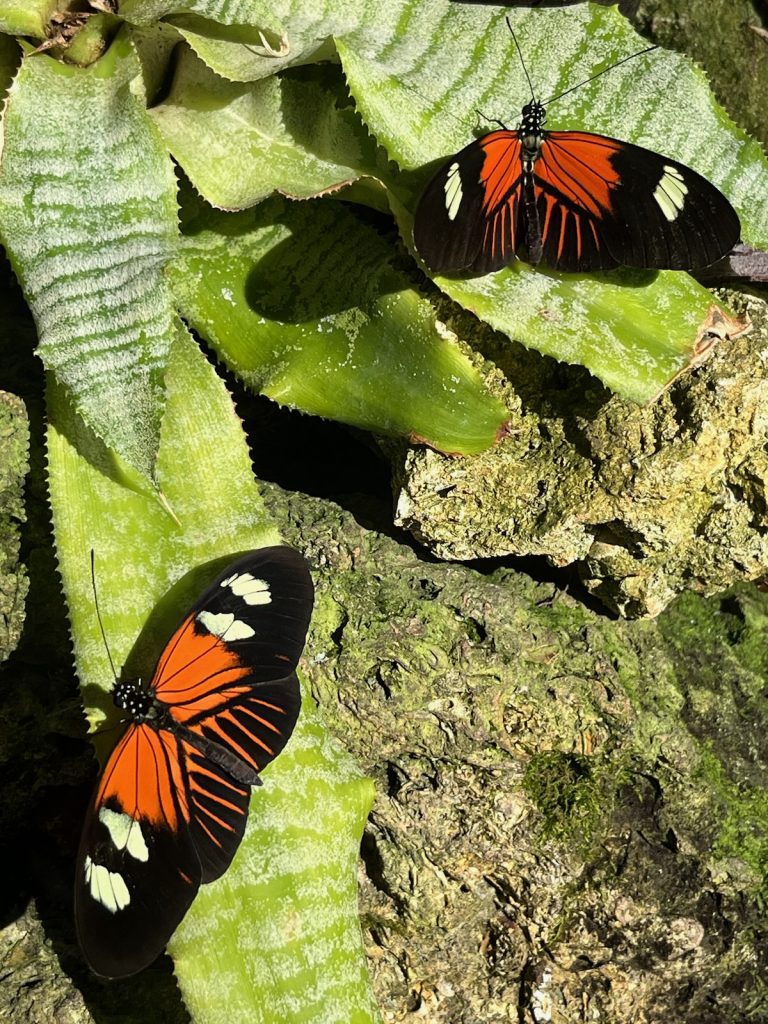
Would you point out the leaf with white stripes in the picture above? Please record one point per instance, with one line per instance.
(88, 217)
(277, 937)
(421, 70)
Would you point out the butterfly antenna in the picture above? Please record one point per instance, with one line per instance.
(98, 613)
(520, 55)
(599, 73)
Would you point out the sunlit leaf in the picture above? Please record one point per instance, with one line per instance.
(279, 930)
(302, 301)
(238, 143)
(88, 217)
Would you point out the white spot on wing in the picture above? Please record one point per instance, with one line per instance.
(125, 832)
(251, 590)
(107, 887)
(453, 191)
(225, 626)
(670, 193)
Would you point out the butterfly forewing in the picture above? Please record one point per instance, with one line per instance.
(603, 203)
(256, 614)
(466, 216)
(171, 807)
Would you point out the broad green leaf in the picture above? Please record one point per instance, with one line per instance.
(279, 930)
(238, 143)
(88, 217)
(253, 43)
(245, 53)
(26, 17)
(419, 82)
(635, 330)
(221, 13)
(302, 302)
(297, 953)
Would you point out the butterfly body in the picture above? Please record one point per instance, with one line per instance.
(171, 806)
(576, 201)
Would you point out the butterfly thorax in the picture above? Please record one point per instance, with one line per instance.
(129, 695)
(530, 131)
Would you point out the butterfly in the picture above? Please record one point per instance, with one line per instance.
(170, 808)
(573, 200)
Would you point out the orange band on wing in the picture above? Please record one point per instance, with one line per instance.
(193, 665)
(144, 777)
(501, 168)
(578, 166)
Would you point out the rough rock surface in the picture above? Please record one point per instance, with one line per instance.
(14, 444)
(646, 501)
(571, 822)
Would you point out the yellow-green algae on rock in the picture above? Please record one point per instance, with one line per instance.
(571, 816)
(646, 501)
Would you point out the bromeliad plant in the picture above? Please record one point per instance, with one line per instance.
(345, 105)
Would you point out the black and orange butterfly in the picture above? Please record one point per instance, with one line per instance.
(574, 200)
(170, 808)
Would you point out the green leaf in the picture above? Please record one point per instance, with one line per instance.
(242, 53)
(239, 143)
(26, 17)
(257, 45)
(297, 955)
(418, 83)
(302, 302)
(88, 217)
(279, 930)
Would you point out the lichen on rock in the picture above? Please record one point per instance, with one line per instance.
(645, 501)
(14, 461)
(571, 822)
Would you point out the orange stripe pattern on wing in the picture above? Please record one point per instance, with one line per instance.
(144, 778)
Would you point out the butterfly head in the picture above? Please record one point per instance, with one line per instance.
(533, 118)
(130, 696)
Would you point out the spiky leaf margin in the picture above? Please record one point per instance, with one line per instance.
(281, 925)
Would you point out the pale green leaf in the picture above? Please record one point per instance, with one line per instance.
(248, 41)
(297, 955)
(419, 82)
(88, 217)
(244, 53)
(302, 302)
(265, 941)
(238, 143)
(26, 17)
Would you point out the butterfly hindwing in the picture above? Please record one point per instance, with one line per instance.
(171, 807)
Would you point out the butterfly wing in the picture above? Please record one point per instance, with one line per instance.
(227, 678)
(138, 865)
(171, 806)
(602, 203)
(468, 217)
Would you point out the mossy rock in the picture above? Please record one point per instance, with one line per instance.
(571, 817)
